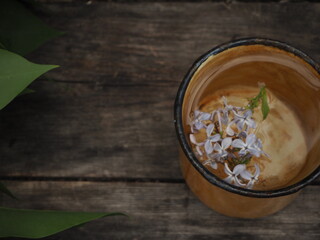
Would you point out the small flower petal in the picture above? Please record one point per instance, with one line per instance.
(196, 113)
(247, 114)
(254, 152)
(238, 143)
(228, 179)
(226, 143)
(257, 172)
(199, 150)
(251, 139)
(219, 120)
(217, 147)
(199, 125)
(216, 156)
(251, 123)
(210, 129)
(214, 165)
(238, 183)
(243, 152)
(227, 169)
(237, 115)
(207, 162)
(208, 147)
(238, 169)
(240, 124)
(246, 175)
(215, 138)
(193, 139)
(259, 143)
(225, 116)
(225, 101)
(250, 184)
(229, 130)
(204, 116)
(213, 115)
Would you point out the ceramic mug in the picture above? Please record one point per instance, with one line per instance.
(287, 72)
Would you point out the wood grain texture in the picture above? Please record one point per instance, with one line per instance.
(163, 211)
(107, 112)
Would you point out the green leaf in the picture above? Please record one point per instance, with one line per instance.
(264, 106)
(5, 190)
(20, 31)
(254, 102)
(38, 224)
(16, 73)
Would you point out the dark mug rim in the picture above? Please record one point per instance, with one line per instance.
(184, 143)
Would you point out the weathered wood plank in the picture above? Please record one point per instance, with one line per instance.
(107, 112)
(163, 211)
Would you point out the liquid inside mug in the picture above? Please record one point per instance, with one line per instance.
(291, 135)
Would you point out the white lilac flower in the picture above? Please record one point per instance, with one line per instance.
(199, 117)
(221, 150)
(233, 175)
(244, 119)
(210, 139)
(251, 178)
(198, 145)
(249, 146)
(208, 143)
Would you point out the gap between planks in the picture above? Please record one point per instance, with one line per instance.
(91, 179)
(103, 179)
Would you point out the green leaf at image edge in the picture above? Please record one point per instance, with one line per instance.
(21, 31)
(16, 73)
(38, 224)
(5, 190)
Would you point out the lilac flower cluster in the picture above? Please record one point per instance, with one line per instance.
(229, 140)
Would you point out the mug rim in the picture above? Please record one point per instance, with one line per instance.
(184, 143)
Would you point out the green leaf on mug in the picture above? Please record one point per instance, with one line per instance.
(37, 224)
(16, 73)
(264, 106)
(21, 31)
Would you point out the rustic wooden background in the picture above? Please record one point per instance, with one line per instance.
(98, 133)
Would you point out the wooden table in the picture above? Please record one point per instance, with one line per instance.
(98, 133)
